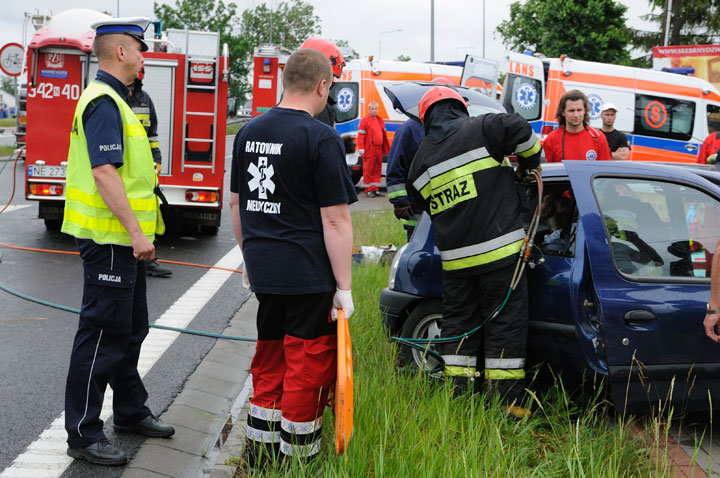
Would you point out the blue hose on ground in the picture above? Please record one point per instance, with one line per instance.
(157, 326)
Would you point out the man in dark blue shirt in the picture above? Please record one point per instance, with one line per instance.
(290, 191)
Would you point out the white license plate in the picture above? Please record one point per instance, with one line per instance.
(35, 170)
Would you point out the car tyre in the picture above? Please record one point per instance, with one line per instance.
(422, 323)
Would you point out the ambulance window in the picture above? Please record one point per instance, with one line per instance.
(713, 118)
(664, 117)
(346, 95)
(524, 96)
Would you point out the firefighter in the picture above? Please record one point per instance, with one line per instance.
(143, 107)
(113, 213)
(289, 194)
(372, 145)
(469, 189)
(332, 53)
(405, 144)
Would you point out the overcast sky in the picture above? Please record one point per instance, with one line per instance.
(458, 23)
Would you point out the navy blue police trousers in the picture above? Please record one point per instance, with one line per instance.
(113, 324)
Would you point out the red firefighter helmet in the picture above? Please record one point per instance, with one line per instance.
(444, 80)
(435, 94)
(327, 48)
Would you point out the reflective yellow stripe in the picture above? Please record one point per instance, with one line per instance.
(496, 374)
(409, 222)
(97, 201)
(442, 179)
(154, 144)
(484, 258)
(531, 151)
(456, 191)
(455, 371)
(91, 223)
(394, 194)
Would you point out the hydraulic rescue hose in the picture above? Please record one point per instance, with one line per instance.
(523, 258)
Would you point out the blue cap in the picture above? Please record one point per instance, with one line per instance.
(135, 27)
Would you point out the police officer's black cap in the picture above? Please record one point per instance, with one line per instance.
(133, 26)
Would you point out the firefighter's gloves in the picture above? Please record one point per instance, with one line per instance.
(342, 300)
(712, 159)
(360, 152)
(526, 175)
(403, 212)
(158, 167)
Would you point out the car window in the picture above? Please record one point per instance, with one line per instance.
(713, 118)
(524, 96)
(558, 219)
(664, 117)
(657, 228)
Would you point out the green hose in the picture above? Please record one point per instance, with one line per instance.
(157, 326)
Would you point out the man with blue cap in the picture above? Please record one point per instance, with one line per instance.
(112, 211)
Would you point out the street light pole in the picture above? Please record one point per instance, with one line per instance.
(432, 31)
(483, 28)
(380, 40)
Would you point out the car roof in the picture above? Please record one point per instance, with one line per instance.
(709, 172)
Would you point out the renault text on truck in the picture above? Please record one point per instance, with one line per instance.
(187, 78)
(665, 115)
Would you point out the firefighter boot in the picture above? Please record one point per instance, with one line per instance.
(154, 269)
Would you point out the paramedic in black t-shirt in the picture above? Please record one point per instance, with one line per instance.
(290, 191)
(618, 142)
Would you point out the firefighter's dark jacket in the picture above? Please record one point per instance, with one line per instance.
(143, 107)
(469, 188)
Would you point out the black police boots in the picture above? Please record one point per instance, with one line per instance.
(152, 268)
(100, 453)
(148, 426)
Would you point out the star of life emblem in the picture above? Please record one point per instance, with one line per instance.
(261, 175)
(526, 96)
(595, 102)
(345, 99)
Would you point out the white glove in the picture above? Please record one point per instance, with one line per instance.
(245, 279)
(342, 300)
(360, 152)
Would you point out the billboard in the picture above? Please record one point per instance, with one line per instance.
(704, 59)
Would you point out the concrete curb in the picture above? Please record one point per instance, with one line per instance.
(204, 412)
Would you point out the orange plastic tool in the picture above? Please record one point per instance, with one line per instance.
(343, 386)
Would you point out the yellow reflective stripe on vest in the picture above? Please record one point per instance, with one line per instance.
(97, 201)
(438, 182)
(93, 224)
(486, 258)
(450, 194)
(495, 374)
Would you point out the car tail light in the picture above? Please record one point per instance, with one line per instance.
(41, 189)
(356, 168)
(201, 196)
(512, 158)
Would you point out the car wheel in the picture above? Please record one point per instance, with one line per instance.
(422, 323)
(356, 176)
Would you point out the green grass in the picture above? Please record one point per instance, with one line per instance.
(8, 122)
(234, 128)
(407, 424)
(6, 151)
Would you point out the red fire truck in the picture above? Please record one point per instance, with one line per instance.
(186, 76)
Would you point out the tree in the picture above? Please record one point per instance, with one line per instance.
(8, 84)
(692, 22)
(403, 58)
(587, 30)
(289, 24)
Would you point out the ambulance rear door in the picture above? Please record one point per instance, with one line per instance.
(524, 89)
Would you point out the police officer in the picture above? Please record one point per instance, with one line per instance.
(114, 215)
(468, 188)
(142, 105)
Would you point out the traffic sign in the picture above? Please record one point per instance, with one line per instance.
(11, 59)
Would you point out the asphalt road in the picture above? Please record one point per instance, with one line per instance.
(35, 340)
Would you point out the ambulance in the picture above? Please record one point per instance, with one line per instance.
(666, 116)
(186, 75)
(361, 83)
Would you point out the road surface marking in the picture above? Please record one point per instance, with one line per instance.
(46, 457)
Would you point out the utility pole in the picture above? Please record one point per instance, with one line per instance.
(483, 28)
(668, 9)
(118, 8)
(432, 31)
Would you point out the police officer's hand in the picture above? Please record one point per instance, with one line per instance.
(712, 159)
(360, 152)
(403, 212)
(342, 300)
(143, 249)
(245, 279)
(158, 166)
(711, 324)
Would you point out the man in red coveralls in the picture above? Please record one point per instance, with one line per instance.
(372, 145)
